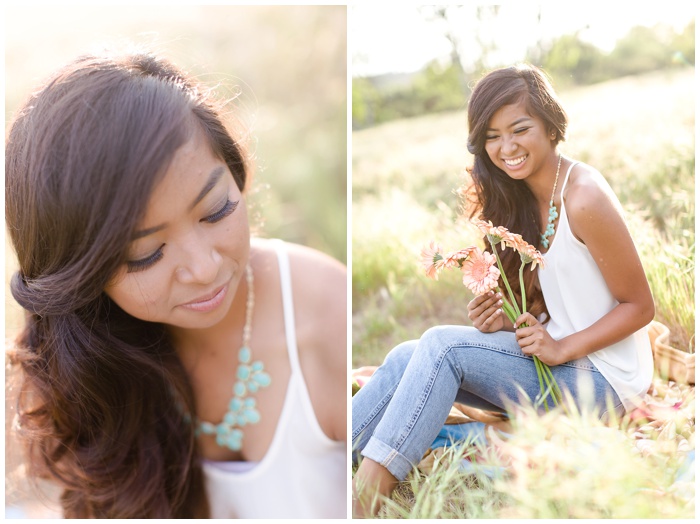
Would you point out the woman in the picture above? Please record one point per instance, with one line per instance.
(588, 307)
(173, 367)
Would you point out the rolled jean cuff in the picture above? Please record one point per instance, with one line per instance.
(385, 455)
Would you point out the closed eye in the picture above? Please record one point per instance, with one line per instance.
(521, 130)
(228, 208)
(133, 266)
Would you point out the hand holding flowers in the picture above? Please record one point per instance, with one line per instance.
(535, 341)
(480, 275)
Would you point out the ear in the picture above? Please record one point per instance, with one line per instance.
(552, 133)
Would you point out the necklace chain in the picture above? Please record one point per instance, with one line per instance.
(549, 231)
(250, 376)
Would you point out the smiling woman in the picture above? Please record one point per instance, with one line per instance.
(172, 366)
(588, 303)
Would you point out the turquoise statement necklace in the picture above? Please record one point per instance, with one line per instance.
(250, 376)
(552, 212)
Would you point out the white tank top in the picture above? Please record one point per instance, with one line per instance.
(304, 473)
(577, 296)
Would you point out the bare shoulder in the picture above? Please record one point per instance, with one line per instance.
(590, 201)
(319, 284)
(320, 294)
(319, 289)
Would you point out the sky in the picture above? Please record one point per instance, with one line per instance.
(396, 38)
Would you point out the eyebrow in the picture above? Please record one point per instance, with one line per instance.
(213, 179)
(522, 119)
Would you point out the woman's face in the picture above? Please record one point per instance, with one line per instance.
(518, 142)
(190, 251)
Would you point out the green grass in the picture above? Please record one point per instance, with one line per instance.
(639, 132)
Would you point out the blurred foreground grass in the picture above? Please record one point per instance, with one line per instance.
(558, 466)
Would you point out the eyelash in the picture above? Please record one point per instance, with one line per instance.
(132, 266)
(517, 131)
(144, 263)
(229, 207)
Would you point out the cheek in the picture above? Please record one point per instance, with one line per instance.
(136, 294)
(492, 150)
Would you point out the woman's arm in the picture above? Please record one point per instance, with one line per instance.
(320, 306)
(596, 220)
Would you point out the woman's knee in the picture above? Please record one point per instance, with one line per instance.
(437, 339)
(401, 354)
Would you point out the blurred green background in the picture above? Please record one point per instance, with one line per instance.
(289, 64)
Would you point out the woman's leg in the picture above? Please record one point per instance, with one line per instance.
(404, 419)
(371, 401)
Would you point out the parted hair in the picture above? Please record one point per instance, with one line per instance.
(104, 399)
(493, 194)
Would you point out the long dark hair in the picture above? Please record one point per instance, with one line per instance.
(109, 395)
(494, 195)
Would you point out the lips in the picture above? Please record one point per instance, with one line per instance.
(208, 302)
(514, 162)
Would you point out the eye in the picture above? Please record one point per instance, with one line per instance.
(491, 137)
(133, 266)
(521, 130)
(228, 208)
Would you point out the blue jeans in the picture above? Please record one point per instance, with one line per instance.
(399, 412)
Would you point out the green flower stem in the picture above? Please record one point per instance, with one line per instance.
(505, 280)
(540, 379)
(557, 391)
(522, 287)
(510, 312)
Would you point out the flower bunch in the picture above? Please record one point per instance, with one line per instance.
(480, 273)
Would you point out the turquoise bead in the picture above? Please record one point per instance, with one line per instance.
(253, 416)
(263, 379)
(239, 389)
(243, 372)
(234, 443)
(207, 428)
(242, 408)
(235, 404)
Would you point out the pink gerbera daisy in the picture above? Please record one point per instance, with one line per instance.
(529, 254)
(431, 256)
(495, 234)
(479, 272)
(457, 258)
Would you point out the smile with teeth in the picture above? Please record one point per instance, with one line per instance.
(515, 161)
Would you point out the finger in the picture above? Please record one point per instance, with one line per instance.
(492, 318)
(527, 345)
(484, 305)
(524, 332)
(526, 318)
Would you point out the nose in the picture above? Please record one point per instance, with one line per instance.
(199, 262)
(508, 144)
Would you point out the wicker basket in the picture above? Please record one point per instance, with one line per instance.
(670, 363)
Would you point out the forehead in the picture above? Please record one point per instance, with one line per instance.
(507, 115)
(186, 175)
